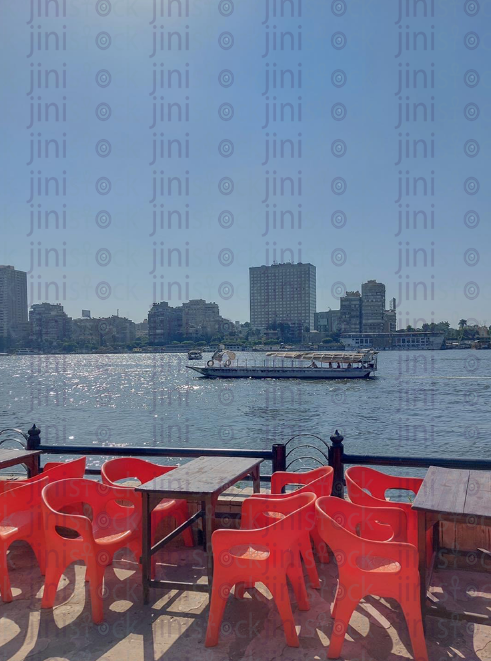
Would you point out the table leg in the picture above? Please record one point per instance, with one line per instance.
(210, 504)
(146, 558)
(256, 482)
(204, 524)
(422, 558)
(32, 465)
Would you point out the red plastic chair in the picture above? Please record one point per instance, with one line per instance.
(96, 540)
(360, 479)
(20, 519)
(267, 555)
(319, 482)
(124, 468)
(53, 471)
(384, 568)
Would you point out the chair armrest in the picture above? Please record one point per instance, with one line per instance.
(255, 506)
(258, 504)
(77, 522)
(384, 524)
(405, 554)
(111, 494)
(223, 539)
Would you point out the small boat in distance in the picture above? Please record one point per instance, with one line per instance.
(195, 354)
(292, 365)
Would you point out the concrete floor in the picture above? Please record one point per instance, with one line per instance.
(173, 626)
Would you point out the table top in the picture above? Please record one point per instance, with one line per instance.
(455, 492)
(203, 476)
(11, 457)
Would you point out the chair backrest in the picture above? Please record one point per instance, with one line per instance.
(299, 515)
(367, 486)
(125, 468)
(62, 501)
(318, 481)
(27, 496)
(54, 471)
(344, 525)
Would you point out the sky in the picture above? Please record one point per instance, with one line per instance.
(336, 177)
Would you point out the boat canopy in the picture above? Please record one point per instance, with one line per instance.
(220, 356)
(331, 357)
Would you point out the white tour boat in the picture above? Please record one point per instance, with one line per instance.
(292, 365)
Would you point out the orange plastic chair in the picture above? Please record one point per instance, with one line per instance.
(367, 566)
(320, 479)
(124, 468)
(268, 555)
(96, 540)
(20, 519)
(360, 479)
(319, 482)
(53, 471)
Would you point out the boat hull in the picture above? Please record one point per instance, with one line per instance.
(281, 373)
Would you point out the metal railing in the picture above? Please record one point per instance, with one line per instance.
(282, 455)
(276, 455)
(13, 435)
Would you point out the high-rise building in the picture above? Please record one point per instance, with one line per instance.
(201, 319)
(373, 306)
(350, 312)
(283, 294)
(49, 323)
(13, 302)
(164, 323)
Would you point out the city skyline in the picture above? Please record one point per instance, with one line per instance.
(402, 321)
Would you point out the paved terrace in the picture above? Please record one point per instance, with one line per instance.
(172, 627)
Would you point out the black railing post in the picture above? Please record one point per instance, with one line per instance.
(279, 457)
(34, 441)
(33, 438)
(335, 457)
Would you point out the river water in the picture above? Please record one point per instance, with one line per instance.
(434, 403)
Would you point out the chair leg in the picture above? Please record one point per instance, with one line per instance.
(279, 590)
(96, 587)
(5, 589)
(219, 597)
(337, 598)
(344, 608)
(320, 546)
(412, 613)
(295, 574)
(309, 560)
(40, 553)
(53, 574)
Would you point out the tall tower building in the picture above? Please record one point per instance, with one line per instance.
(13, 301)
(283, 294)
(350, 312)
(373, 306)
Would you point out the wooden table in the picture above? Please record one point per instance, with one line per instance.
(29, 458)
(455, 496)
(201, 480)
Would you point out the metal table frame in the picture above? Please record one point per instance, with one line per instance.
(207, 513)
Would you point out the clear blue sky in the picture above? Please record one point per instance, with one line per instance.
(121, 254)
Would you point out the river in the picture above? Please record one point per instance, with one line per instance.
(433, 403)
